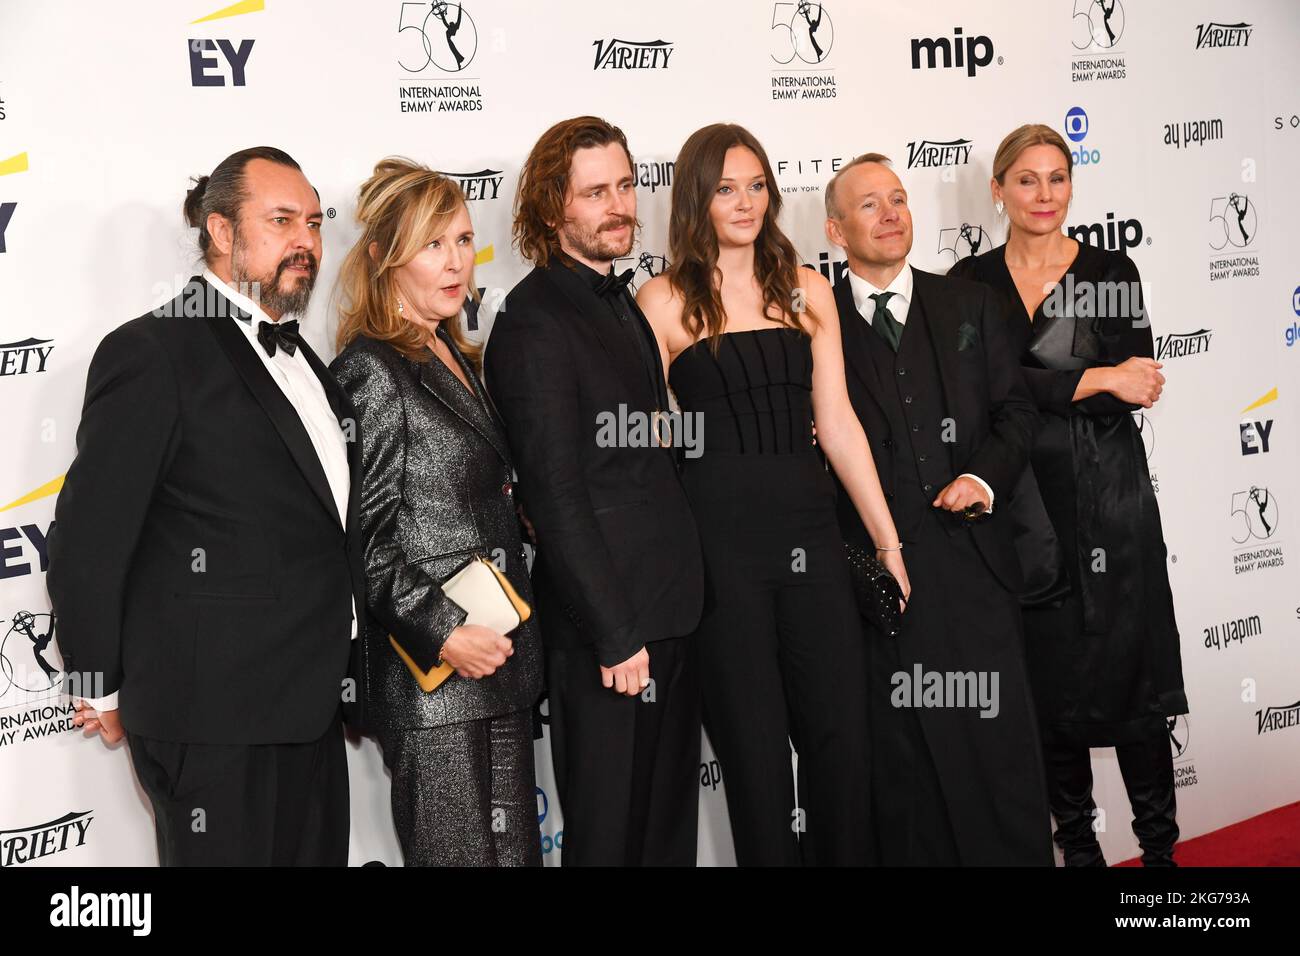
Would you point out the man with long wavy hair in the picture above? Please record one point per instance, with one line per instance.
(618, 577)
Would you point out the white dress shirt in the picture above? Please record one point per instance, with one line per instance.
(295, 378)
(898, 305)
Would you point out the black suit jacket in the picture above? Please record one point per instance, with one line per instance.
(618, 552)
(983, 389)
(435, 492)
(198, 562)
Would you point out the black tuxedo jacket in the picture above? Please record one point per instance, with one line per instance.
(983, 391)
(618, 554)
(198, 562)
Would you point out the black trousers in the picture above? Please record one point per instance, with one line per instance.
(247, 804)
(1147, 766)
(626, 768)
(464, 794)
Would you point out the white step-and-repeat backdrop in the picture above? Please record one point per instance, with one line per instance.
(1183, 117)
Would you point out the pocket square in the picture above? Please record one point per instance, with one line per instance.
(967, 337)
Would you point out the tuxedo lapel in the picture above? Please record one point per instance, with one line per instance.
(474, 408)
(853, 328)
(346, 414)
(282, 414)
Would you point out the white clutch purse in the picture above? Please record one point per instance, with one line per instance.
(488, 599)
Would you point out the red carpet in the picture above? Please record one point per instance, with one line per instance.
(1270, 839)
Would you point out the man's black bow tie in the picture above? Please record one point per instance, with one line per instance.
(274, 335)
(612, 283)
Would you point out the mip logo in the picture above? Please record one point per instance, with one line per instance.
(960, 52)
(805, 31)
(968, 239)
(445, 36)
(29, 658)
(1113, 234)
(1097, 24)
(1076, 129)
(1232, 221)
(213, 61)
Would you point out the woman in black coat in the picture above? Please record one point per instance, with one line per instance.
(1104, 660)
(436, 492)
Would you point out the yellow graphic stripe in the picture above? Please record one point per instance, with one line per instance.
(1270, 397)
(14, 164)
(51, 487)
(234, 10)
(484, 255)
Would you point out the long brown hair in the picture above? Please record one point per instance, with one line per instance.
(402, 207)
(693, 242)
(544, 181)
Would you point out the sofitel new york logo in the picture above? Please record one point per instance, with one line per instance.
(632, 55)
(1255, 520)
(1096, 28)
(802, 36)
(44, 839)
(439, 41)
(1234, 227)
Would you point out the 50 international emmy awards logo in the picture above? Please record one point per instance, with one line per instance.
(30, 665)
(1179, 740)
(1255, 523)
(646, 266)
(447, 36)
(802, 36)
(439, 41)
(968, 239)
(1233, 231)
(1095, 28)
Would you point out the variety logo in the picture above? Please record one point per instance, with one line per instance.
(1179, 344)
(802, 36)
(44, 839)
(25, 357)
(1255, 433)
(632, 55)
(968, 53)
(968, 239)
(1096, 28)
(438, 38)
(484, 184)
(213, 62)
(1277, 718)
(1222, 34)
(930, 153)
(1113, 234)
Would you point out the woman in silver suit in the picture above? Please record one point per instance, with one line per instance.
(436, 492)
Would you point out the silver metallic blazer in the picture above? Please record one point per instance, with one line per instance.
(436, 490)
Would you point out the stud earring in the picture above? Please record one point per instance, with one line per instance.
(399, 307)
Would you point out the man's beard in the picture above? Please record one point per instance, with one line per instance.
(596, 245)
(265, 289)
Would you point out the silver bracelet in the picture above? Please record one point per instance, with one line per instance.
(899, 548)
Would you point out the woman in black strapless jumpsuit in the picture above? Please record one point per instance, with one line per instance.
(780, 647)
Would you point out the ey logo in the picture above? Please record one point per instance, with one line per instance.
(1255, 433)
(13, 164)
(213, 61)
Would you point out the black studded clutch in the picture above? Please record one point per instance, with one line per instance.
(875, 590)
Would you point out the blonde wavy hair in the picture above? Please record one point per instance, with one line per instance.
(402, 207)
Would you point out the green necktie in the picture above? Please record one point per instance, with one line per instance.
(886, 326)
